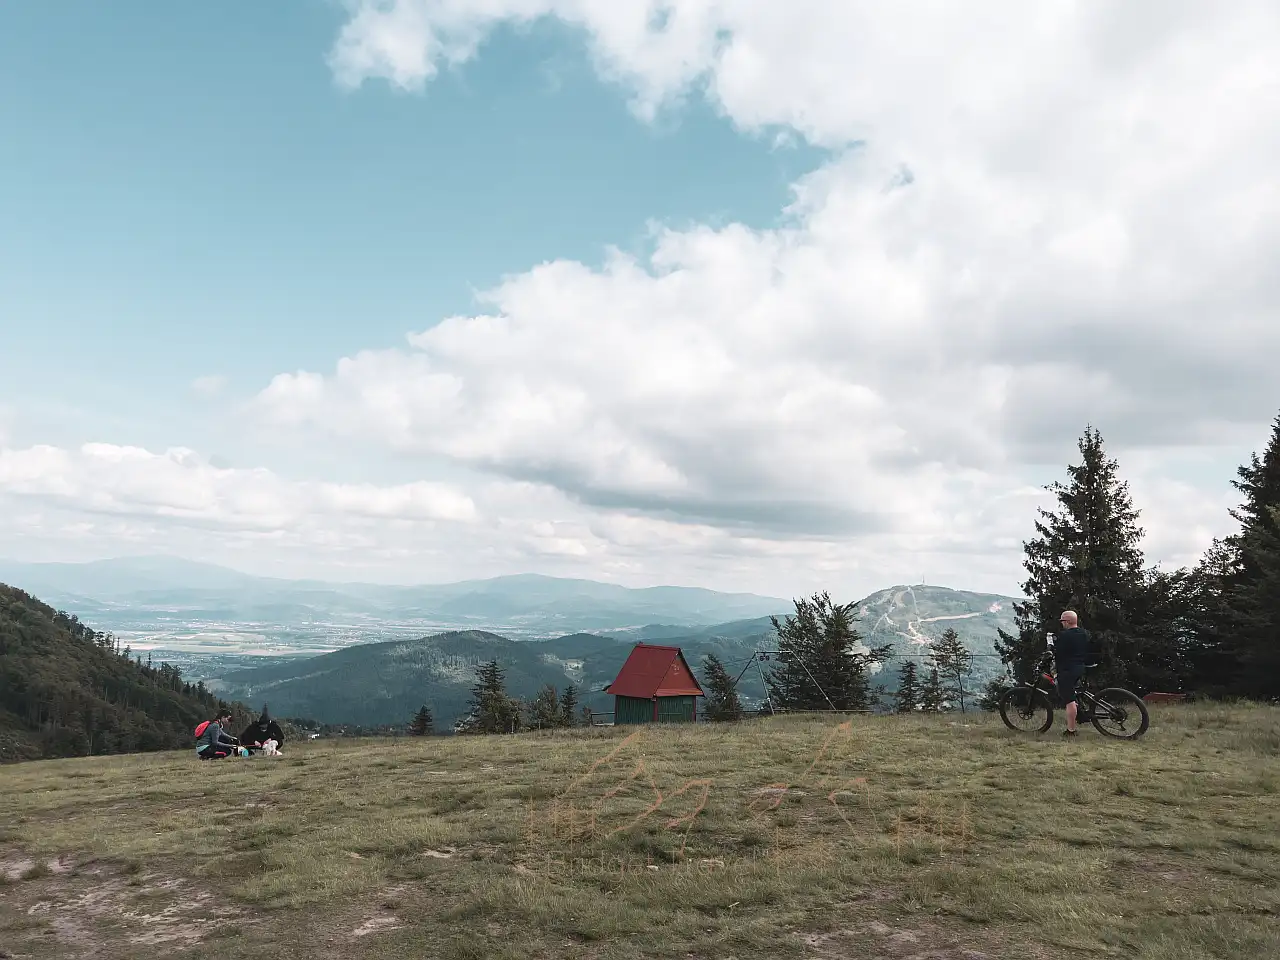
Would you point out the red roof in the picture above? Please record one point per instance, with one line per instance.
(655, 671)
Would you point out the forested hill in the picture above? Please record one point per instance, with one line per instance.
(67, 690)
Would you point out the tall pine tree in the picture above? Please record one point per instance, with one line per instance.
(544, 709)
(569, 706)
(1256, 593)
(722, 694)
(954, 663)
(492, 710)
(932, 694)
(422, 723)
(821, 665)
(1085, 558)
(1237, 588)
(907, 699)
(1214, 654)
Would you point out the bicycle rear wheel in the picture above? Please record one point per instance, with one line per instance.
(1026, 710)
(1119, 713)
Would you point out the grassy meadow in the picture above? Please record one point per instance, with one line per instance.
(922, 838)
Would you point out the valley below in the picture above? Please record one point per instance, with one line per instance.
(365, 654)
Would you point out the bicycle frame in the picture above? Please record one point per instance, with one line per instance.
(1086, 702)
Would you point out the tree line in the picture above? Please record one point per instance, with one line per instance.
(68, 690)
(824, 667)
(492, 709)
(1212, 629)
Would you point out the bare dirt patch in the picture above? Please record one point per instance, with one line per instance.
(376, 925)
(80, 910)
(905, 942)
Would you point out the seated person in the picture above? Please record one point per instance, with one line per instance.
(213, 743)
(262, 730)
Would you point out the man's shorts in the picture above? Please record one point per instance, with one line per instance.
(1068, 684)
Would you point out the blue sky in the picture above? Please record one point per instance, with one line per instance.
(231, 234)
(192, 195)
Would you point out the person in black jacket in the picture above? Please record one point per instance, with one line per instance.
(1071, 651)
(262, 730)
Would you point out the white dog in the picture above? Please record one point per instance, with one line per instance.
(270, 749)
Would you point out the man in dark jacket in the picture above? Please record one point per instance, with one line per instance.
(1071, 652)
(214, 743)
(262, 730)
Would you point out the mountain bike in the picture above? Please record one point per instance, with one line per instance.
(1114, 712)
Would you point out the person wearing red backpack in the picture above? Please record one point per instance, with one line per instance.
(212, 742)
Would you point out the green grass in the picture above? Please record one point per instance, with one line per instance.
(887, 836)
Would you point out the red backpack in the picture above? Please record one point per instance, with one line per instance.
(200, 729)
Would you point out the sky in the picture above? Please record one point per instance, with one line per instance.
(776, 298)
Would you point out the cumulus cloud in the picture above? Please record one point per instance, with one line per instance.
(1036, 216)
(179, 486)
(1039, 216)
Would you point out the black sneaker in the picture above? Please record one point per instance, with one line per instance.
(1070, 733)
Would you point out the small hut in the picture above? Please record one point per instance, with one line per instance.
(655, 685)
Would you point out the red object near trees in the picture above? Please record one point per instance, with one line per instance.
(652, 675)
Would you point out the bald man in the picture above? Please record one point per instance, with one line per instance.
(1071, 652)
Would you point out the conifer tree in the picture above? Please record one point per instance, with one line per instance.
(544, 709)
(953, 663)
(932, 694)
(821, 667)
(1085, 558)
(422, 723)
(723, 704)
(907, 699)
(1254, 590)
(993, 692)
(569, 706)
(492, 710)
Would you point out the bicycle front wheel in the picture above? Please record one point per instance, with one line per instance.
(1026, 710)
(1120, 713)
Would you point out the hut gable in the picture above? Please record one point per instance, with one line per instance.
(655, 671)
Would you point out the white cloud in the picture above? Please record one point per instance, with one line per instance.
(181, 488)
(1058, 213)
(210, 385)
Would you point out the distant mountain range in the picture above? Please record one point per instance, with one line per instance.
(371, 654)
(525, 604)
(385, 682)
(377, 683)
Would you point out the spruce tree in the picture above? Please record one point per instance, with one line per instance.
(1085, 558)
(544, 709)
(821, 669)
(569, 706)
(492, 711)
(932, 694)
(722, 704)
(1213, 624)
(422, 723)
(993, 693)
(907, 699)
(953, 663)
(1255, 589)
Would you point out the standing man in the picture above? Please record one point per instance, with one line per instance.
(1071, 650)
